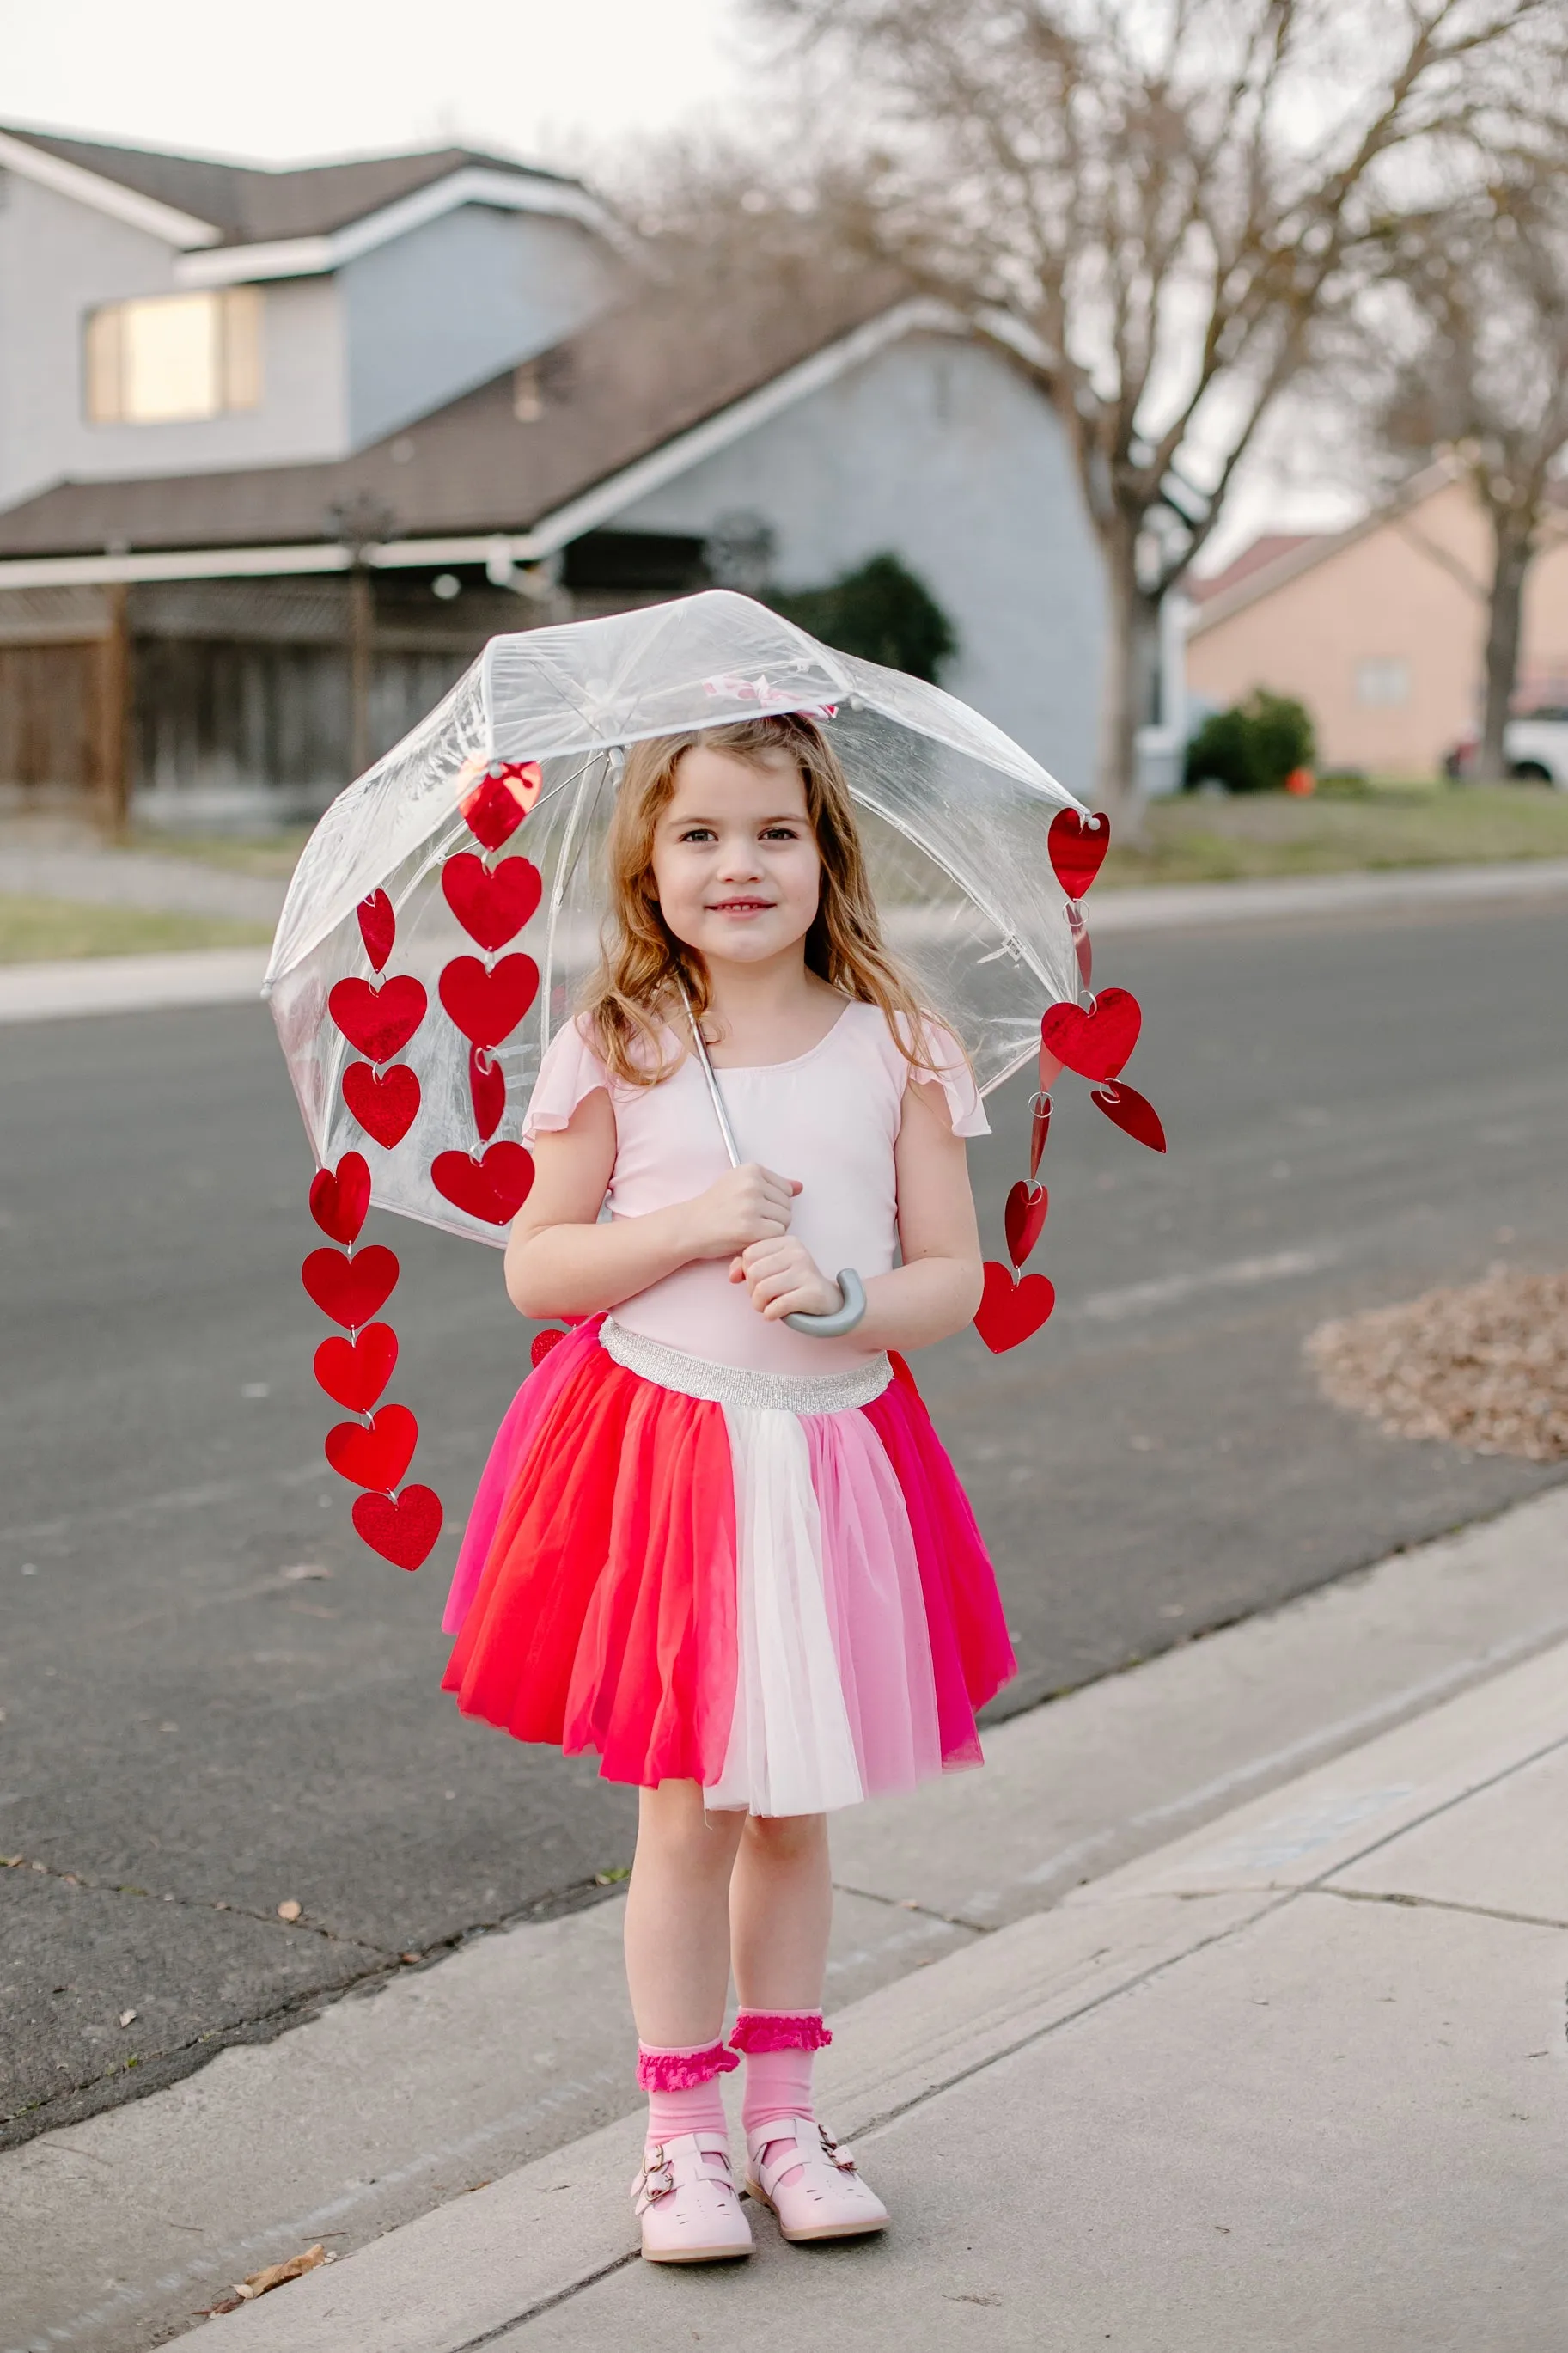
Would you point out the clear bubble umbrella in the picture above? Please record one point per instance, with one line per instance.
(448, 904)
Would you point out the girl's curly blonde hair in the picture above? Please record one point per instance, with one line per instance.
(635, 993)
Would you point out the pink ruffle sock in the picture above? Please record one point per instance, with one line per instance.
(780, 2046)
(682, 2087)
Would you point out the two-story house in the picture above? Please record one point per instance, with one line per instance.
(279, 449)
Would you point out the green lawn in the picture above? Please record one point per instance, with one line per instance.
(1194, 838)
(267, 854)
(38, 931)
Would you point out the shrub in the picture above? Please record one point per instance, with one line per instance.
(881, 612)
(1253, 745)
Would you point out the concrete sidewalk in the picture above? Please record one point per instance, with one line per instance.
(1294, 2080)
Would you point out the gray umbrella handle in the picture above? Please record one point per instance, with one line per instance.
(839, 1320)
(852, 1301)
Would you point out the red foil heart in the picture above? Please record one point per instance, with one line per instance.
(487, 1085)
(401, 1528)
(340, 1197)
(1096, 1043)
(1082, 945)
(543, 1343)
(1039, 1128)
(351, 1290)
(375, 1453)
(385, 1104)
(354, 1372)
(494, 807)
(377, 928)
(492, 904)
(378, 1022)
(1076, 847)
(1024, 1218)
(493, 1187)
(1130, 1112)
(488, 1005)
(1011, 1313)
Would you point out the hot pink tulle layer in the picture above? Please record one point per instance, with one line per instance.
(795, 1610)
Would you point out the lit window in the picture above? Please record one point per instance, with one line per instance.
(172, 356)
(1383, 683)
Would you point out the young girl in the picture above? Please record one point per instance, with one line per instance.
(728, 1555)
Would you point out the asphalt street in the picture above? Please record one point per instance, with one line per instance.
(194, 1731)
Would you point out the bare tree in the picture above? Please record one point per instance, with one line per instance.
(1155, 202)
(1483, 375)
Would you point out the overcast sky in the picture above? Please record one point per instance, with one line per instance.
(285, 79)
(570, 82)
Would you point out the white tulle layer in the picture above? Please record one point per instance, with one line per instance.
(835, 1695)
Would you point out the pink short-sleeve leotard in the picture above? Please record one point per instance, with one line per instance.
(831, 1117)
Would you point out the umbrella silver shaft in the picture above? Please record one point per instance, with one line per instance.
(719, 1114)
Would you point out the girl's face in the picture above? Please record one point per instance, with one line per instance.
(735, 862)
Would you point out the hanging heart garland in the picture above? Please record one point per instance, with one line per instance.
(1096, 1040)
(351, 1284)
(378, 1020)
(493, 900)
(374, 1452)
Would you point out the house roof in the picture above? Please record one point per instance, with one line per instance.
(253, 204)
(1267, 548)
(633, 398)
(1293, 554)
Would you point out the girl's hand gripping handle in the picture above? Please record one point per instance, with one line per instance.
(746, 1206)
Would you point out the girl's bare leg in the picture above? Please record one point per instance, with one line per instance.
(678, 1919)
(780, 1907)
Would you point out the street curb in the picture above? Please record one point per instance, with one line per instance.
(145, 983)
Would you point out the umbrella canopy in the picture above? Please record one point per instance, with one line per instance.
(395, 1028)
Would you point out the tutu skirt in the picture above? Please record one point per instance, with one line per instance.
(769, 1584)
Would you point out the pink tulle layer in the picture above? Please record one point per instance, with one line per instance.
(780, 2030)
(683, 2071)
(598, 1603)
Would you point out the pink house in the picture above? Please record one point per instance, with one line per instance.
(1379, 630)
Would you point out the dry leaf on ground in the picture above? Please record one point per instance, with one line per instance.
(1485, 1365)
(261, 2283)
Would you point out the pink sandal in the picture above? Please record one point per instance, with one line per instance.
(685, 2199)
(827, 2198)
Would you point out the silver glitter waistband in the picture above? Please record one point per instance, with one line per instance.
(693, 1376)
